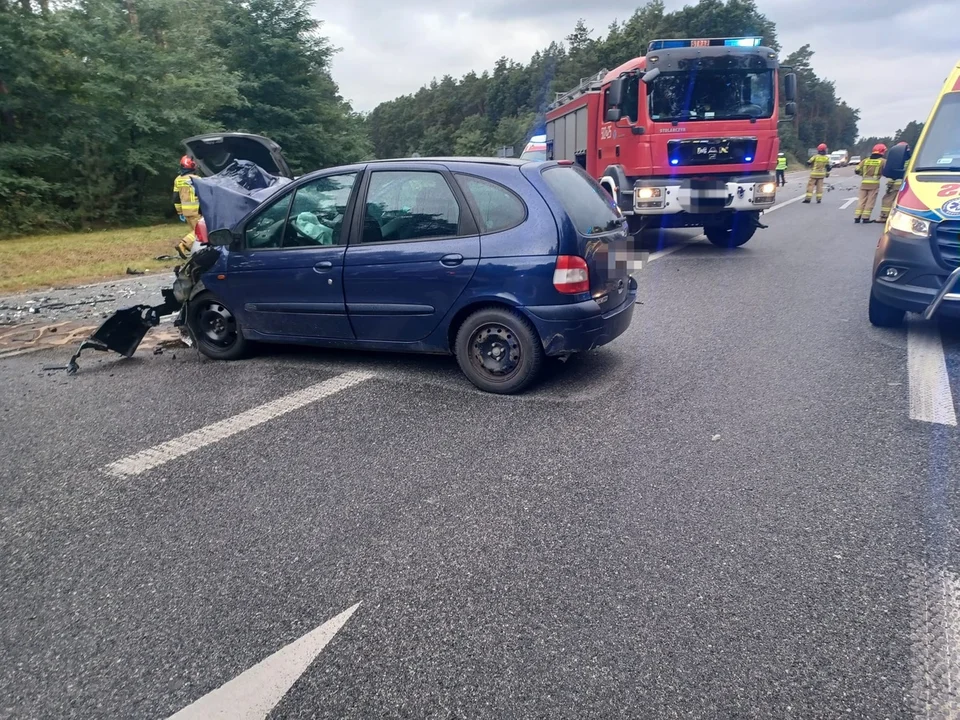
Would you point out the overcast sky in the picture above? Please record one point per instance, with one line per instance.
(887, 57)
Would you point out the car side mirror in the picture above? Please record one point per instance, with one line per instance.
(897, 158)
(221, 238)
(650, 76)
(790, 88)
(789, 111)
(614, 114)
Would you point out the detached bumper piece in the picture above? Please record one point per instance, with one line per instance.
(123, 331)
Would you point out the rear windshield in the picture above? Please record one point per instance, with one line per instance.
(590, 208)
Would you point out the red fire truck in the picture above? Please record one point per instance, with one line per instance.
(685, 136)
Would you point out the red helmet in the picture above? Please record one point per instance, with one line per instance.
(879, 149)
(187, 163)
(822, 147)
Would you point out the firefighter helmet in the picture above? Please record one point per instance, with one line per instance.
(879, 149)
(187, 163)
(822, 147)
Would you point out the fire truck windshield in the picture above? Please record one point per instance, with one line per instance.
(708, 94)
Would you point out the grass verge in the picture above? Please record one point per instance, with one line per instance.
(36, 262)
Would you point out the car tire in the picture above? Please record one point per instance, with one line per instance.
(722, 236)
(215, 328)
(883, 315)
(499, 350)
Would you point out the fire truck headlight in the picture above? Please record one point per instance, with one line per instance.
(767, 189)
(645, 193)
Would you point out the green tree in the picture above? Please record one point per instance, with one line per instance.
(472, 138)
(286, 91)
(911, 133)
(513, 90)
(95, 103)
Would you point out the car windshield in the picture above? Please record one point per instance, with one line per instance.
(711, 95)
(940, 149)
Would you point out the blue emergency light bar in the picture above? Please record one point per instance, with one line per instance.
(704, 42)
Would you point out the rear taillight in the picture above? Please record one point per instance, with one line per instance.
(201, 231)
(571, 275)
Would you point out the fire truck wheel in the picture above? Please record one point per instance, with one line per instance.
(725, 237)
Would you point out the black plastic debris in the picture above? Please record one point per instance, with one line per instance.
(123, 331)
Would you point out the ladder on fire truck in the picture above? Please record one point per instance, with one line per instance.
(587, 84)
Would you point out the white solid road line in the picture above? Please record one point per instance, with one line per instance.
(930, 397)
(253, 694)
(798, 198)
(673, 248)
(848, 203)
(165, 452)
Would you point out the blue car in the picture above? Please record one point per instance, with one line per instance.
(499, 262)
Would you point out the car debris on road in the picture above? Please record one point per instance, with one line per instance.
(123, 331)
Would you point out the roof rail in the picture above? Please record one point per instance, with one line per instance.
(586, 85)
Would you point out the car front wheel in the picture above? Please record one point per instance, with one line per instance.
(215, 328)
(499, 351)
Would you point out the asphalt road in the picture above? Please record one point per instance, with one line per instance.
(728, 512)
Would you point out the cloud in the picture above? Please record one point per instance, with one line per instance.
(887, 57)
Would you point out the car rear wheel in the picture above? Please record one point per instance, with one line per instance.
(742, 229)
(499, 351)
(883, 315)
(216, 328)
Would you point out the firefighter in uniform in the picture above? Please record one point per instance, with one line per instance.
(781, 169)
(186, 204)
(819, 169)
(871, 170)
(890, 196)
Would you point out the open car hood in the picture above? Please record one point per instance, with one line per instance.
(215, 151)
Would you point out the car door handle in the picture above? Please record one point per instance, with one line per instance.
(323, 265)
(451, 260)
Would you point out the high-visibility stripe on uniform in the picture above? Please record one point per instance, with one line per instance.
(870, 169)
(189, 205)
(819, 164)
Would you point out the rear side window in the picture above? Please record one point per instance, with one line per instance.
(409, 205)
(497, 208)
(590, 209)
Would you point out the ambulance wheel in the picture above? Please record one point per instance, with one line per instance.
(883, 315)
(216, 328)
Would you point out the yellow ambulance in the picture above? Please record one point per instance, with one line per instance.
(916, 267)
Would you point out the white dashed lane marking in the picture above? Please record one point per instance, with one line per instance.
(172, 449)
(930, 397)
